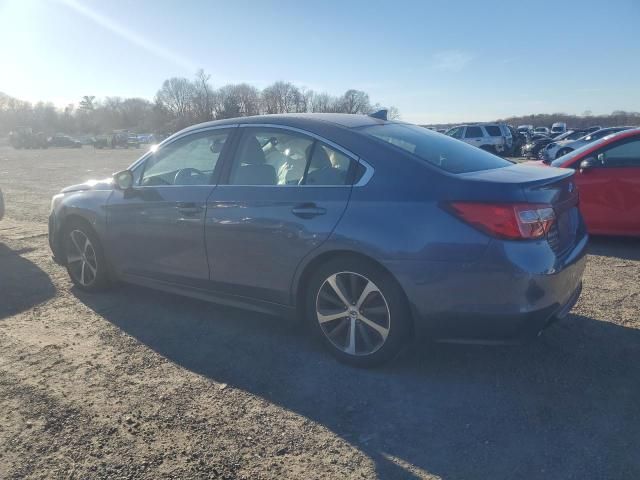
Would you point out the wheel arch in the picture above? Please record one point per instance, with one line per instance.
(72, 218)
(303, 278)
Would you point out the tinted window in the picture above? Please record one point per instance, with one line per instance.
(473, 132)
(493, 130)
(439, 150)
(190, 160)
(623, 155)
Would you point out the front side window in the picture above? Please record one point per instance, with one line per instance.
(284, 158)
(438, 150)
(190, 160)
(622, 155)
(456, 132)
(473, 132)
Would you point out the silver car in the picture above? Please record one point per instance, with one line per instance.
(494, 137)
(559, 148)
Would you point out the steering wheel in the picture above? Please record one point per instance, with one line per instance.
(185, 176)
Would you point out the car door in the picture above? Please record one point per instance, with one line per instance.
(610, 191)
(283, 194)
(156, 228)
(473, 135)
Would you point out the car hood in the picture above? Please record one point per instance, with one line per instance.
(104, 184)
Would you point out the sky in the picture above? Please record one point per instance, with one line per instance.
(437, 61)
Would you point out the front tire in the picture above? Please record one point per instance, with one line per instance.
(562, 152)
(84, 258)
(358, 311)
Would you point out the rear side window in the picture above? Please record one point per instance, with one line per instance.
(493, 130)
(439, 150)
(284, 158)
(473, 132)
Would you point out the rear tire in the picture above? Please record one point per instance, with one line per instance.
(84, 258)
(357, 311)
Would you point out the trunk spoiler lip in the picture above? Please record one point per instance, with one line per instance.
(524, 175)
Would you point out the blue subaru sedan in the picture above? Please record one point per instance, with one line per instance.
(370, 230)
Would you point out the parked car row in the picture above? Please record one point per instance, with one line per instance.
(362, 226)
(607, 175)
(25, 137)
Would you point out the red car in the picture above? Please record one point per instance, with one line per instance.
(608, 178)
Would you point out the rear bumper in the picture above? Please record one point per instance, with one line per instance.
(515, 292)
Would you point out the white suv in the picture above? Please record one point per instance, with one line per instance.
(492, 137)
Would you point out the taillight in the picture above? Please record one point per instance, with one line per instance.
(513, 221)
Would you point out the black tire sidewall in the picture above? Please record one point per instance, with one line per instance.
(396, 301)
(102, 280)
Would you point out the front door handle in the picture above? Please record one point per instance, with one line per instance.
(308, 210)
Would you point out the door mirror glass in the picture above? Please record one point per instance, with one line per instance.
(123, 180)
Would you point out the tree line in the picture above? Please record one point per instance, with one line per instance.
(179, 102)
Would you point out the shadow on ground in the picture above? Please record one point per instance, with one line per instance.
(565, 406)
(624, 248)
(22, 284)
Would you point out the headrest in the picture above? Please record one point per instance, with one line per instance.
(252, 152)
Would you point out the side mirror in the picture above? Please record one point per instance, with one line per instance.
(588, 163)
(123, 180)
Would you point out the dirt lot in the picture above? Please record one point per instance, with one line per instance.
(137, 384)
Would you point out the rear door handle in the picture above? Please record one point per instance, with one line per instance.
(189, 208)
(308, 210)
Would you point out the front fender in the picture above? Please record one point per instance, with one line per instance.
(88, 206)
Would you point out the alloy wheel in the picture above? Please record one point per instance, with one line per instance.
(353, 313)
(81, 258)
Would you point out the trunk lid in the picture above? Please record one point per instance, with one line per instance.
(553, 186)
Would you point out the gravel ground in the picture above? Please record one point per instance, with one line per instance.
(138, 384)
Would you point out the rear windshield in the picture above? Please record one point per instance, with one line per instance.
(451, 155)
(493, 130)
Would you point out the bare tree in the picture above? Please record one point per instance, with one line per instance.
(203, 98)
(176, 97)
(282, 97)
(87, 102)
(355, 101)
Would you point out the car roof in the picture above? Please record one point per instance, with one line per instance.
(343, 120)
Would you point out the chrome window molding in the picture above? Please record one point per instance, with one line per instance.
(369, 171)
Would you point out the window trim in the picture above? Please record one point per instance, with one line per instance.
(215, 176)
(369, 171)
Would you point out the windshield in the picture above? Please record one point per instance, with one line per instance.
(444, 152)
(568, 158)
